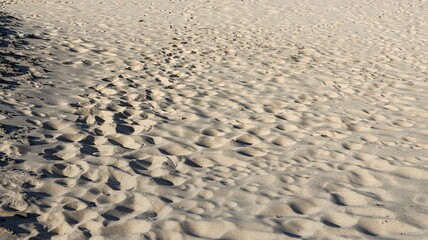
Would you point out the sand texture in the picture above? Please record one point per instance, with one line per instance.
(226, 119)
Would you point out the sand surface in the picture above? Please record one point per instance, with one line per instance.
(228, 119)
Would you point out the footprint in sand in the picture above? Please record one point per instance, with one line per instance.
(55, 124)
(125, 141)
(247, 139)
(176, 149)
(211, 142)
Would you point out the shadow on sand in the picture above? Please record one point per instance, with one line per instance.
(14, 67)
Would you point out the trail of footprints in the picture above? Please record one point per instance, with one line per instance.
(160, 170)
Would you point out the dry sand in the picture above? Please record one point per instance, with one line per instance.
(249, 119)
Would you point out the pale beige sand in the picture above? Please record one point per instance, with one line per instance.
(216, 120)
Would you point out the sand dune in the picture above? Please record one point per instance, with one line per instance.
(213, 119)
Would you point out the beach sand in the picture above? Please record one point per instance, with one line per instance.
(249, 119)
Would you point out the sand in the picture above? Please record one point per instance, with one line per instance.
(214, 119)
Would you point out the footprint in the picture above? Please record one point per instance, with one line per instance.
(201, 162)
(247, 139)
(278, 210)
(125, 228)
(212, 132)
(177, 149)
(349, 198)
(214, 229)
(353, 146)
(283, 141)
(71, 137)
(66, 170)
(121, 180)
(126, 142)
(287, 127)
(251, 152)
(301, 228)
(340, 220)
(384, 227)
(303, 206)
(66, 152)
(211, 142)
(55, 124)
(412, 172)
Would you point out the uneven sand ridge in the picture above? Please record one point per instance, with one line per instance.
(215, 120)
